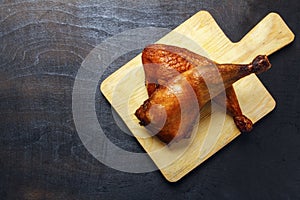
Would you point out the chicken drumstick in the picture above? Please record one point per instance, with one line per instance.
(169, 111)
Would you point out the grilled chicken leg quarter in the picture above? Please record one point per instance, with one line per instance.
(175, 77)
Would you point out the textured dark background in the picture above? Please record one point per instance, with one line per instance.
(42, 45)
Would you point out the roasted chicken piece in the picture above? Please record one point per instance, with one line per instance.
(163, 62)
(176, 99)
(243, 123)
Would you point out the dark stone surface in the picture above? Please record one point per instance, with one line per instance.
(42, 45)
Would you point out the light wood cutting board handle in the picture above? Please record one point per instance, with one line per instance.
(268, 36)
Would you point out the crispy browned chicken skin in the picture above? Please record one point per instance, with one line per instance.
(179, 82)
(163, 62)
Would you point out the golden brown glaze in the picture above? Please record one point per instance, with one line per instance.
(163, 62)
(243, 123)
(187, 82)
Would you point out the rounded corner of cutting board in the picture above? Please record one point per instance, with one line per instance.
(103, 86)
(172, 179)
(204, 12)
(273, 104)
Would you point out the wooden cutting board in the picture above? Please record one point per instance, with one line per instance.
(215, 129)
